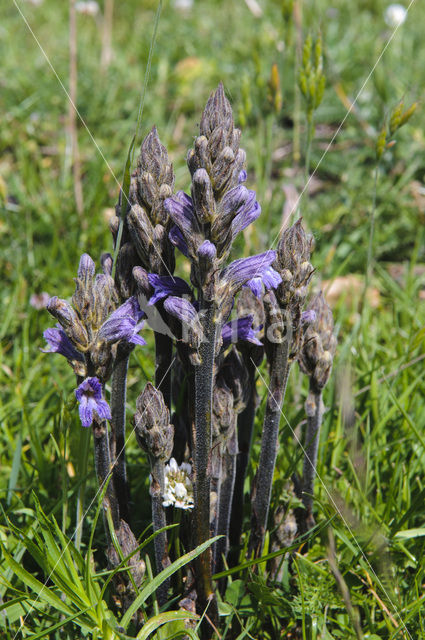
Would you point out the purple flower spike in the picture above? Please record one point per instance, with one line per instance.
(167, 286)
(124, 324)
(58, 342)
(89, 396)
(270, 279)
(240, 329)
(180, 210)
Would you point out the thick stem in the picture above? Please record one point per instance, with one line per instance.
(82, 470)
(204, 375)
(163, 358)
(245, 431)
(314, 422)
(279, 371)
(159, 521)
(225, 504)
(118, 400)
(102, 461)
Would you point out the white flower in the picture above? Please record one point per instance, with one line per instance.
(183, 5)
(178, 489)
(89, 8)
(395, 15)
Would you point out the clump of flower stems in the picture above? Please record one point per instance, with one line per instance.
(197, 421)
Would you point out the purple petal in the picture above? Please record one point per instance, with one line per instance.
(256, 286)
(89, 387)
(245, 217)
(86, 412)
(180, 210)
(270, 279)
(166, 286)
(239, 329)
(240, 271)
(177, 239)
(103, 410)
(207, 250)
(308, 317)
(124, 323)
(59, 342)
(130, 308)
(180, 308)
(242, 176)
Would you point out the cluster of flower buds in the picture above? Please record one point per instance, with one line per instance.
(318, 344)
(293, 265)
(148, 221)
(154, 432)
(206, 224)
(178, 490)
(89, 331)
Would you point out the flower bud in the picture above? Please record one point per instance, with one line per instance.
(154, 432)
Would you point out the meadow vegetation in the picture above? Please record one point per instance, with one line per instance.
(360, 572)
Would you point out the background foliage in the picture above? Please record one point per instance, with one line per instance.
(363, 572)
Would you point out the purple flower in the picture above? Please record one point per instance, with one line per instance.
(124, 324)
(181, 308)
(239, 329)
(58, 342)
(207, 250)
(242, 176)
(180, 210)
(167, 286)
(177, 239)
(270, 279)
(89, 396)
(308, 317)
(243, 271)
(241, 207)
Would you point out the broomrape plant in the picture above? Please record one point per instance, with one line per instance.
(211, 335)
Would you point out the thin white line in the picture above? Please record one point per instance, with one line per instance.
(81, 118)
(80, 523)
(337, 131)
(334, 504)
(345, 118)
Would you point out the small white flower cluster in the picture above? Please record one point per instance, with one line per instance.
(395, 15)
(178, 490)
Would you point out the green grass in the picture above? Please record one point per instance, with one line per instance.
(372, 453)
